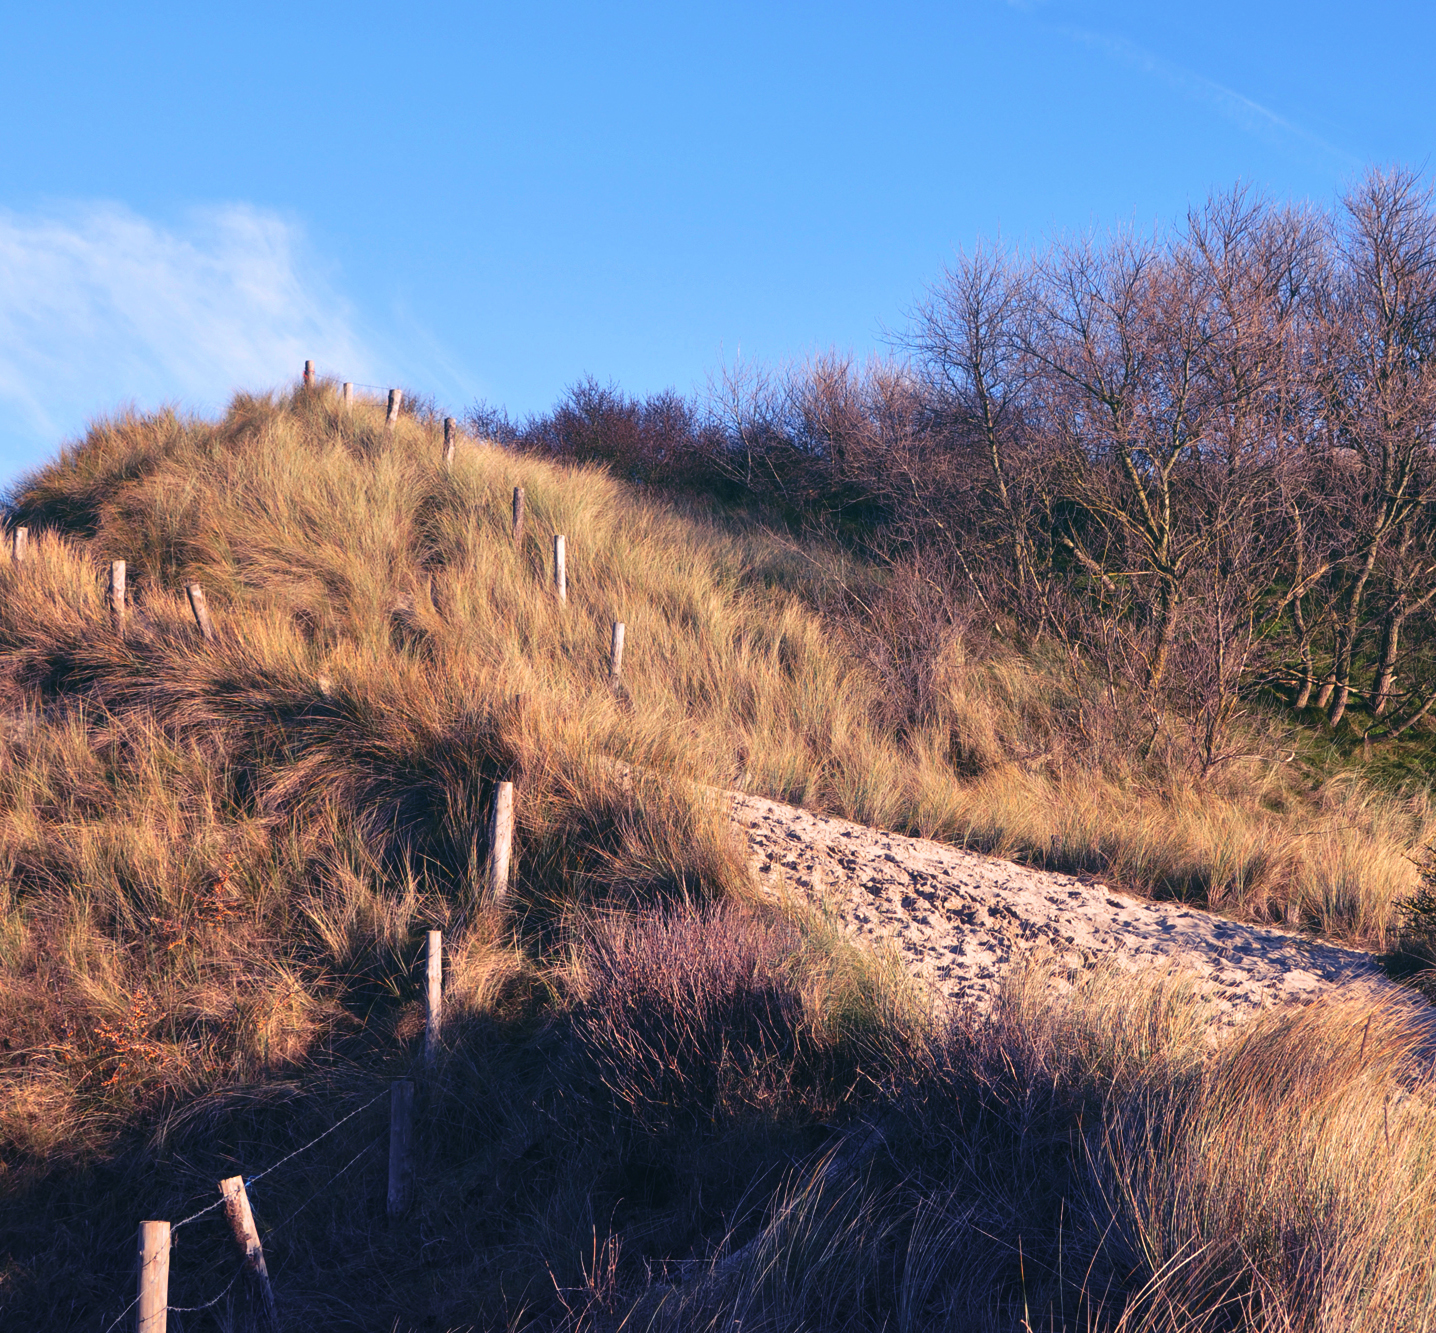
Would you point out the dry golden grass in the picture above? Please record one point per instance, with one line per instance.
(1093, 1164)
(168, 810)
(216, 861)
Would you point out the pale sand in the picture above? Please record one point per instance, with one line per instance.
(960, 920)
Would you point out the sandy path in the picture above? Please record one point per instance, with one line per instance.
(959, 919)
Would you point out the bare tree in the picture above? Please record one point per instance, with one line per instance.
(1118, 337)
(968, 336)
(1379, 326)
(1203, 460)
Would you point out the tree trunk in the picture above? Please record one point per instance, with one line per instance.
(1349, 631)
(1328, 684)
(1386, 670)
(1303, 635)
(1166, 628)
(1343, 694)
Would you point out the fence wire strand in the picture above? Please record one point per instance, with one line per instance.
(190, 1309)
(122, 1314)
(323, 1187)
(219, 1203)
(314, 1140)
(208, 1208)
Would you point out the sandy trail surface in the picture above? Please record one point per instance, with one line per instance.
(960, 920)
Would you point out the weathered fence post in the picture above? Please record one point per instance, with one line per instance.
(20, 545)
(401, 1145)
(560, 570)
(346, 396)
(434, 996)
(518, 514)
(117, 592)
(154, 1292)
(451, 433)
(396, 396)
(201, 611)
(246, 1235)
(501, 841)
(615, 653)
(309, 374)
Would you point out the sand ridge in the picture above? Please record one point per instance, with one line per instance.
(959, 920)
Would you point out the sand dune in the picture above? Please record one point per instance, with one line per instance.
(959, 920)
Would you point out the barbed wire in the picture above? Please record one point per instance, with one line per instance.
(250, 1181)
(381, 388)
(208, 1208)
(190, 1309)
(219, 1203)
(323, 1187)
(122, 1314)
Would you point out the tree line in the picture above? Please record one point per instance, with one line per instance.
(1201, 459)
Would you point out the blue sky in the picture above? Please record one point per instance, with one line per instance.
(491, 201)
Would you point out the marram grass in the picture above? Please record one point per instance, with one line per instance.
(217, 861)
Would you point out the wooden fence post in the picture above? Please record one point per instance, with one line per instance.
(309, 374)
(20, 545)
(154, 1292)
(518, 514)
(396, 396)
(560, 570)
(246, 1235)
(615, 653)
(201, 611)
(434, 996)
(117, 592)
(451, 432)
(346, 396)
(501, 841)
(401, 1145)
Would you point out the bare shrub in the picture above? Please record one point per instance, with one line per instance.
(658, 440)
(693, 1016)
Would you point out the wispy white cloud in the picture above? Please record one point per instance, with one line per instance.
(100, 306)
(1243, 111)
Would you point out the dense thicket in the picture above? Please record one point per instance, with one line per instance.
(1201, 459)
